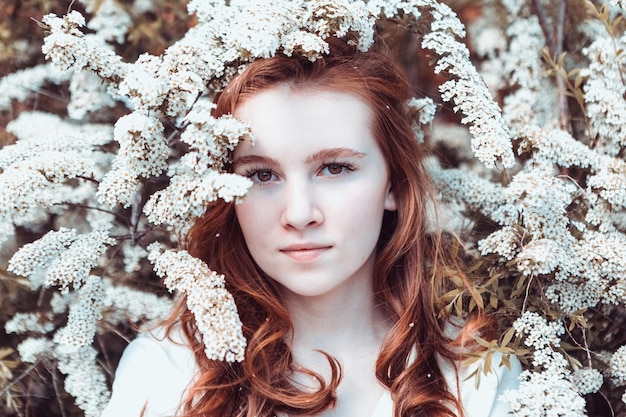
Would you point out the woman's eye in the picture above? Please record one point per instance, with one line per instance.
(336, 169)
(261, 175)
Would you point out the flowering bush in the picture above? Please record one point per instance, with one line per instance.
(110, 152)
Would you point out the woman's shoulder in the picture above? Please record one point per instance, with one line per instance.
(480, 384)
(153, 373)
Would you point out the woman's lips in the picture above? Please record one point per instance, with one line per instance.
(302, 253)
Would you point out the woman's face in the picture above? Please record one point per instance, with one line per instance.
(313, 216)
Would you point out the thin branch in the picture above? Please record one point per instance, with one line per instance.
(545, 25)
(560, 26)
(14, 382)
(555, 47)
(88, 207)
(55, 384)
(93, 180)
(564, 116)
(527, 293)
(587, 350)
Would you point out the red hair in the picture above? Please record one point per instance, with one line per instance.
(409, 267)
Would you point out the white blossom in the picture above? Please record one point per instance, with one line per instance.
(143, 84)
(604, 94)
(33, 259)
(491, 138)
(84, 313)
(504, 242)
(541, 256)
(68, 48)
(119, 186)
(188, 196)
(72, 266)
(143, 149)
(88, 95)
(110, 21)
(207, 298)
(617, 367)
(423, 112)
(22, 84)
(29, 322)
(35, 348)
(133, 254)
(84, 379)
(61, 258)
(547, 392)
(534, 99)
(587, 380)
(122, 304)
(476, 193)
(211, 140)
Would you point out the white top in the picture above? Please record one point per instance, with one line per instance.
(155, 373)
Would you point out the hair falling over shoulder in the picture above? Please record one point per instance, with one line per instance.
(409, 269)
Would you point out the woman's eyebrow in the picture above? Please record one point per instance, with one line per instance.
(254, 160)
(334, 153)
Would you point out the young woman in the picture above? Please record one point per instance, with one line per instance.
(328, 257)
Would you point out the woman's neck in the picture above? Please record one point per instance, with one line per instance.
(338, 320)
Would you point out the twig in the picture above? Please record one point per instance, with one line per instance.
(545, 26)
(527, 293)
(555, 47)
(93, 180)
(19, 378)
(88, 207)
(564, 116)
(55, 383)
(587, 351)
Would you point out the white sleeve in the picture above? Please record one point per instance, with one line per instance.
(152, 374)
(484, 400)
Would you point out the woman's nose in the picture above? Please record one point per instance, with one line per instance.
(300, 207)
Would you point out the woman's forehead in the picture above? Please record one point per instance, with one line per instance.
(313, 118)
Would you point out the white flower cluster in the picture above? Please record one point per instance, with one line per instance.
(604, 93)
(618, 3)
(37, 168)
(200, 179)
(68, 48)
(143, 153)
(588, 266)
(110, 20)
(24, 83)
(61, 258)
(617, 367)
(252, 29)
(29, 322)
(534, 99)
(587, 380)
(88, 95)
(476, 193)
(423, 111)
(133, 254)
(213, 307)
(84, 379)
(122, 304)
(545, 394)
(35, 348)
(491, 138)
(539, 333)
(549, 393)
(84, 313)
